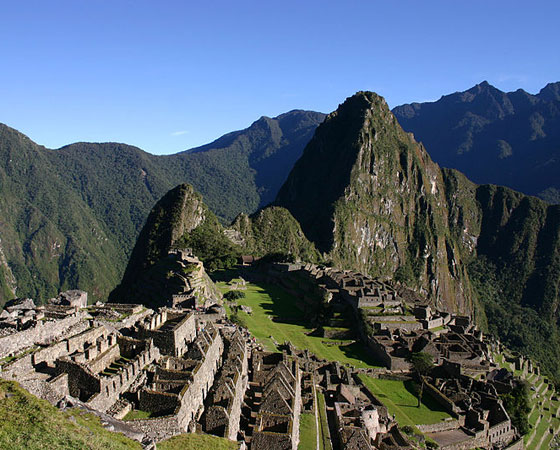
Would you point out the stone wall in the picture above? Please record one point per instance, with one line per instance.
(104, 359)
(171, 338)
(445, 402)
(441, 426)
(158, 428)
(192, 397)
(501, 433)
(158, 402)
(43, 333)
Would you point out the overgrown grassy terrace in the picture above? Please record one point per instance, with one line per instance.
(277, 318)
(30, 423)
(400, 400)
(307, 432)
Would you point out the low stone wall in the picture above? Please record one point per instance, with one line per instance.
(441, 426)
(53, 391)
(516, 445)
(158, 428)
(157, 402)
(338, 334)
(44, 332)
(445, 402)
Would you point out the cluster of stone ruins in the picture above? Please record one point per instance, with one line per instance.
(176, 370)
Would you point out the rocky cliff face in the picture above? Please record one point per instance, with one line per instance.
(371, 198)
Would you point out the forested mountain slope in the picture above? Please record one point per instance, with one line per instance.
(71, 216)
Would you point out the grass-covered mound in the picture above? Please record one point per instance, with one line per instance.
(27, 422)
(197, 442)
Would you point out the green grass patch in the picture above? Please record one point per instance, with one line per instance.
(324, 441)
(276, 317)
(31, 423)
(541, 429)
(307, 432)
(400, 400)
(137, 414)
(192, 441)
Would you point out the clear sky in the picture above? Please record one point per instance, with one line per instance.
(170, 75)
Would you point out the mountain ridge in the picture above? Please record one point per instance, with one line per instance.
(114, 186)
(503, 138)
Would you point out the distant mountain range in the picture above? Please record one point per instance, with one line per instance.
(70, 217)
(510, 139)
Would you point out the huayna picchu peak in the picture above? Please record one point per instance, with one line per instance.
(371, 198)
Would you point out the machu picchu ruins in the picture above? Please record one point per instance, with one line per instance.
(186, 367)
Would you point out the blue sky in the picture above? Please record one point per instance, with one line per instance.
(170, 75)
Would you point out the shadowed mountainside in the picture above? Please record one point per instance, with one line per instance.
(506, 138)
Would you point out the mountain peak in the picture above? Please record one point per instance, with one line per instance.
(550, 92)
(360, 184)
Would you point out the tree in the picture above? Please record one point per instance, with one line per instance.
(422, 363)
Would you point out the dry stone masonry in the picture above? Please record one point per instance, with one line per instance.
(156, 374)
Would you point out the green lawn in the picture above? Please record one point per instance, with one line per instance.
(137, 414)
(324, 441)
(270, 302)
(307, 432)
(27, 422)
(192, 441)
(400, 401)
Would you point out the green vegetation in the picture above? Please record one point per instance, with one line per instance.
(273, 231)
(192, 441)
(234, 295)
(137, 414)
(400, 400)
(518, 407)
(277, 318)
(307, 432)
(422, 364)
(71, 216)
(520, 327)
(531, 406)
(31, 423)
(324, 441)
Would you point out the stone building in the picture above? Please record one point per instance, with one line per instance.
(102, 370)
(175, 398)
(358, 425)
(222, 416)
(171, 330)
(277, 381)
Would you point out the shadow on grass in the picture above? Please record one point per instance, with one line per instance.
(356, 350)
(427, 400)
(285, 308)
(225, 275)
